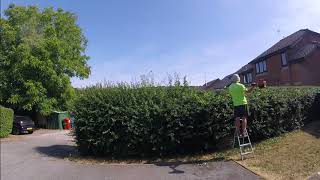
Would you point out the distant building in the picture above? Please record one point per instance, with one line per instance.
(294, 60)
(218, 83)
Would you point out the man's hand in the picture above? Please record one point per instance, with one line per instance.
(253, 85)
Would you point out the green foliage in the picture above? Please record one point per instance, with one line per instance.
(6, 121)
(278, 110)
(131, 120)
(40, 51)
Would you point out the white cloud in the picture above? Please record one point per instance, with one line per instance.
(297, 14)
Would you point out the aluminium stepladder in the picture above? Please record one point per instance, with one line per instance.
(244, 142)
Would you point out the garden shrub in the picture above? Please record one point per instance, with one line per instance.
(6, 121)
(277, 110)
(151, 121)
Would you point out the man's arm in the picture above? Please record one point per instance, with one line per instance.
(250, 89)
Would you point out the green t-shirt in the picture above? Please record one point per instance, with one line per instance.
(237, 91)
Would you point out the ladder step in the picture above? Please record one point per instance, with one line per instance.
(246, 153)
(243, 136)
(247, 144)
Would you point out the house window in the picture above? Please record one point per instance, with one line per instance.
(257, 68)
(247, 78)
(284, 59)
(261, 67)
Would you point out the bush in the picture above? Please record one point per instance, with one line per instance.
(278, 110)
(147, 121)
(6, 121)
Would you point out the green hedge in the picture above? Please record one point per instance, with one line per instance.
(6, 121)
(147, 121)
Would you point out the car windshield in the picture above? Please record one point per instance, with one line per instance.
(22, 118)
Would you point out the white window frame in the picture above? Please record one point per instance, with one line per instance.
(264, 65)
(284, 61)
(261, 67)
(257, 68)
(247, 78)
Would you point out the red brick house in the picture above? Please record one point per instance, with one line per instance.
(294, 60)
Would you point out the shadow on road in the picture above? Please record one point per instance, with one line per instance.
(58, 151)
(175, 165)
(313, 128)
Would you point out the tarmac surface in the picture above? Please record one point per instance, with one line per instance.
(42, 156)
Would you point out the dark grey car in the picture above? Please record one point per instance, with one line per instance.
(22, 125)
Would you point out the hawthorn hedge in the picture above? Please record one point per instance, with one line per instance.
(6, 121)
(151, 121)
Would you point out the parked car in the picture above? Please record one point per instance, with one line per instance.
(22, 124)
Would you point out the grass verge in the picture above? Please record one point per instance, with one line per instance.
(295, 155)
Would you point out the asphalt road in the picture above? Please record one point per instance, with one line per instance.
(42, 156)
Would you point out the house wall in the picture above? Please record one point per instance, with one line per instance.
(275, 73)
(307, 74)
(285, 76)
(307, 71)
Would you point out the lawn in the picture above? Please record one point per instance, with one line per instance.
(295, 155)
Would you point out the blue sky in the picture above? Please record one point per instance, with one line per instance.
(200, 39)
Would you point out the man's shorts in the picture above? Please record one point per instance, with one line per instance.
(241, 111)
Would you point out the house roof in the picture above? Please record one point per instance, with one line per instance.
(218, 83)
(245, 68)
(214, 84)
(305, 51)
(286, 42)
(210, 83)
(226, 81)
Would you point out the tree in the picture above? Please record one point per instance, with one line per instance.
(40, 51)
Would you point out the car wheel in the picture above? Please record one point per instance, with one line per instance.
(30, 132)
(15, 131)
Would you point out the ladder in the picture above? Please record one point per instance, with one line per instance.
(244, 142)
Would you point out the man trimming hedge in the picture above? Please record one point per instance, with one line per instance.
(238, 93)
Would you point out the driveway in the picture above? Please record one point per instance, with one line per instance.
(42, 156)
